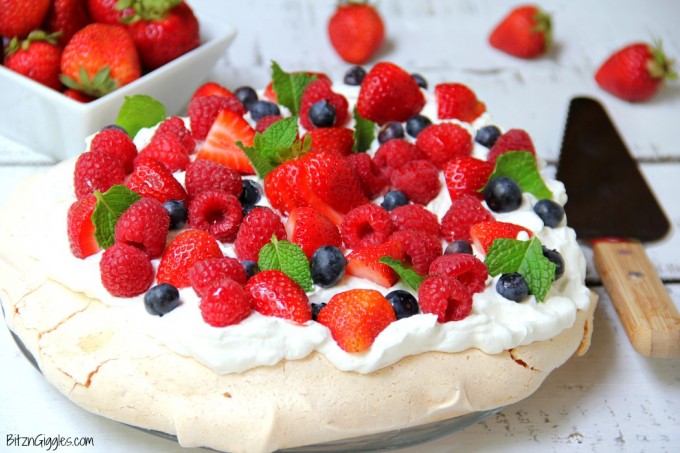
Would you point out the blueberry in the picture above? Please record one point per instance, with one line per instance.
(251, 267)
(549, 211)
(316, 308)
(417, 123)
(487, 135)
(161, 299)
(420, 80)
(354, 76)
(555, 257)
(512, 287)
(404, 303)
(394, 199)
(246, 95)
(322, 114)
(503, 194)
(251, 194)
(327, 266)
(458, 246)
(259, 109)
(177, 212)
(390, 131)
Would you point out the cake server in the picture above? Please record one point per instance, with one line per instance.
(611, 206)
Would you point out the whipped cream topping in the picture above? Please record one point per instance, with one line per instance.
(494, 324)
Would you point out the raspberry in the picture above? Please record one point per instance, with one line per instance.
(512, 140)
(204, 109)
(96, 170)
(374, 182)
(365, 225)
(126, 271)
(266, 121)
(445, 297)
(422, 248)
(213, 272)
(168, 150)
(395, 153)
(256, 231)
(418, 180)
(144, 225)
(184, 251)
(467, 269)
(442, 142)
(116, 143)
(318, 90)
(415, 217)
(80, 228)
(208, 175)
(225, 305)
(217, 212)
(464, 212)
(175, 126)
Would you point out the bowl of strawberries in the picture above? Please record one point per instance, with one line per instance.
(68, 66)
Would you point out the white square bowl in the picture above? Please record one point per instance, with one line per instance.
(50, 123)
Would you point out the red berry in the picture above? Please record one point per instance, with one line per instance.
(484, 233)
(80, 228)
(188, 248)
(310, 229)
(512, 140)
(266, 121)
(356, 32)
(217, 212)
(367, 224)
(365, 263)
(334, 139)
(319, 90)
(466, 175)
(388, 93)
(273, 293)
(464, 212)
(207, 175)
(37, 57)
(465, 268)
(418, 180)
(96, 170)
(152, 179)
(116, 143)
(457, 101)
(394, 153)
(144, 225)
(256, 230)
(220, 145)
(420, 247)
(126, 271)
(212, 89)
(225, 305)
(442, 142)
(446, 298)
(525, 32)
(374, 181)
(203, 111)
(281, 187)
(168, 150)
(415, 217)
(211, 273)
(175, 126)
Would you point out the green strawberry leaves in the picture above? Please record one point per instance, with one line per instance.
(521, 167)
(409, 276)
(288, 258)
(289, 87)
(110, 206)
(140, 111)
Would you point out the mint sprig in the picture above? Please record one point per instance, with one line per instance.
(364, 132)
(409, 276)
(289, 87)
(525, 257)
(521, 167)
(288, 258)
(140, 111)
(110, 206)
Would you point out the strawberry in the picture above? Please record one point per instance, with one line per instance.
(77, 96)
(368, 224)
(38, 57)
(256, 230)
(220, 144)
(273, 293)
(364, 262)
(281, 187)
(105, 11)
(335, 139)
(310, 229)
(225, 305)
(356, 31)
(126, 271)
(484, 233)
(446, 298)
(444, 141)
(213, 272)
(388, 93)
(356, 317)
(99, 58)
(212, 89)
(19, 17)
(636, 72)
(512, 140)
(526, 32)
(466, 175)
(152, 179)
(186, 249)
(464, 212)
(321, 90)
(66, 17)
(457, 101)
(163, 34)
(80, 227)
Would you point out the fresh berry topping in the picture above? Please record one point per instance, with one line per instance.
(525, 32)
(166, 149)
(273, 293)
(208, 175)
(260, 109)
(418, 179)
(390, 131)
(487, 135)
(247, 95)
(356, 31)
(321, 90)
(116, 143)
(251, 193)
(354, 76)
(416, 124)
(420, 80)
(126, 271)
(152, 179)
(250, 267)
(356, 317)
(368, 224)
(333, 139)
(208, 274)
(484, 233)
(186, 249)
(80, 228)
(442, 142)
(374, 182)
(393, 199)
(316, 309)
(322, 114)
(96, 170)
(212, 89)
(503, 194)
(177, 212)
(512, 286)
(458, 246)
(415, 217)
(144, 225)
(388, 93)
(310, 229)
(446, 298)
(327, 266)
(225, 305)
(512, 140)
(466, 175)
(549, 211)
(365, 263)
(220, 145)
(281, 187)
(555, 257)
(161, 299)
(217, 212)
(266, 121)
(204, 110)
(457, 101)
(395, 153)
(256, 230)
(175, 127)
(464, 212)
(419, 247)
(467, 269)
(404, 303)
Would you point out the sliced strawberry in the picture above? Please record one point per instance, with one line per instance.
(457, 101)
(310, 229)
(466, 175)
(336, 139)
(220, 144)
(213, 89)
(484, 233)
(152, 179)
(80, 227)
(280, 186)
(364, 263)
(273, 293)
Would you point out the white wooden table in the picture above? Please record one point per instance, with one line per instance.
(612, 399)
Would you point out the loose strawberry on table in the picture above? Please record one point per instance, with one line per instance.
(356, 31)
(525, 32)
(457, 101)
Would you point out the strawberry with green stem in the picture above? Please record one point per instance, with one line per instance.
(37, 57)
(526, 32)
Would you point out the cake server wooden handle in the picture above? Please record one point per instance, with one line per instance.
(647, 312)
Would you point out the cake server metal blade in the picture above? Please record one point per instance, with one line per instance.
(611, 205)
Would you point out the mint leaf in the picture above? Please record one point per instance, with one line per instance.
(289, 87)
(410, 277)
(140, 111)
(110, 206)
(260, 163)
(521, 166)
(364, 132)
(287, 258)
(276, 141)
